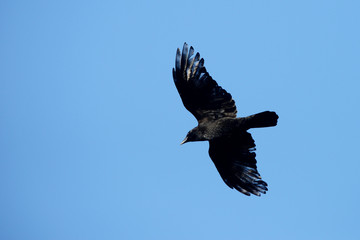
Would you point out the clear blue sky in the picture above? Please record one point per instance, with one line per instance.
(90, 120)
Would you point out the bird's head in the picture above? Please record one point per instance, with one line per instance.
(193, 135)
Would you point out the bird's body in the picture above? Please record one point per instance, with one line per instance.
(218, 128)
(227, 126)
(231, 146)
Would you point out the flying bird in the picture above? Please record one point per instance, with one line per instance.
(232, 149)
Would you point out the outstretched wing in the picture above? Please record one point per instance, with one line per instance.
(201, 95)
(234, 158)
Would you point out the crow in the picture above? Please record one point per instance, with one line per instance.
(232, 148)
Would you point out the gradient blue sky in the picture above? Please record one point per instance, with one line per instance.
(90, 120)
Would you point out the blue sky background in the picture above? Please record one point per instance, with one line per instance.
(90, 120)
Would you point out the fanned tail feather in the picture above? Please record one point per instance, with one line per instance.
(263, 119)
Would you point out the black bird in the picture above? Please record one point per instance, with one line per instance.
(231, 146)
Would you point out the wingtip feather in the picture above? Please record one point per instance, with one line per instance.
(178, 59)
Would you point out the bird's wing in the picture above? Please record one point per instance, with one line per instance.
(234, 158)
(201, 95)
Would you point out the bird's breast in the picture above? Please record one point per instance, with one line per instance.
(219, 128)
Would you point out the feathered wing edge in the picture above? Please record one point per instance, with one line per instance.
(235, 160)
(247, 180)
(188, 66)
(201, 95)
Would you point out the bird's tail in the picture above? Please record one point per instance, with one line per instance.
(263, 119)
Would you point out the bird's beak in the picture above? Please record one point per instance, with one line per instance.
(184, 141)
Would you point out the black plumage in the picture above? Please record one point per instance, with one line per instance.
(231, 146)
